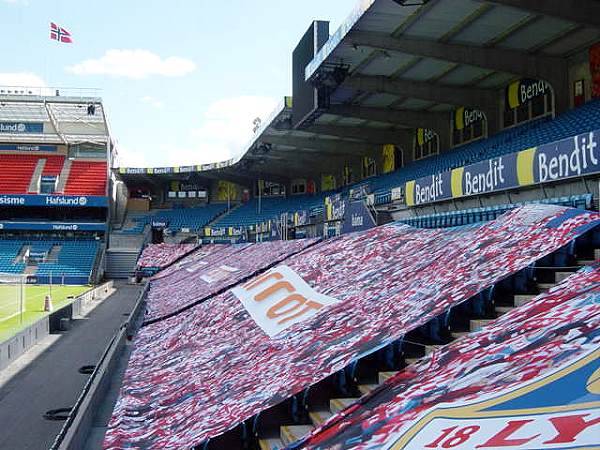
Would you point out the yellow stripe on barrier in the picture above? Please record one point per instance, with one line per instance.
(456, 182)
(525, 166)
(409, 193)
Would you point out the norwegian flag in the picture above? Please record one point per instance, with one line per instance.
(60, 34)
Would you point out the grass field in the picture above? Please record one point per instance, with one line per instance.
(35, 295)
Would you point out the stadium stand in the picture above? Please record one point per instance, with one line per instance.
(53, 165)
(86, 178)
(583, 119)
(51, 257)
(17, 171)
(424, 274)
(271, 208)
(543, 131)
(9, 250)
(476, 215)
(175, 219)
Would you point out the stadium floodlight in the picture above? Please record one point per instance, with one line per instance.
(12, 295)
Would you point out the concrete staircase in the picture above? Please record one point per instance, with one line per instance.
(223, 214)
(34, 183)
(21, 256)
(120, 263)
(53, 253)
(64, 176)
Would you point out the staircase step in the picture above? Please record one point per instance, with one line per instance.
(545, 287)
(293, 433)
(559, 277)
(478, 324)
(271, 444)
(364, 389)
(503, 309)
(384, 376)
(318, 417)
(337, 404)
(431, 348)
(459, 334)
(522, 299)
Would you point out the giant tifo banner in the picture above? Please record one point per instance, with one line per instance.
(572, 157)
(211, 269)
(529, 380)
(196, 375)
(89, 201)
(162, 255)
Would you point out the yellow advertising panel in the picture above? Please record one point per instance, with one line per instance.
(389, 158)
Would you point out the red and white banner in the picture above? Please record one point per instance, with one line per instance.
(202, 372)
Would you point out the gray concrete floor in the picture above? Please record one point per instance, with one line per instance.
(50, 379)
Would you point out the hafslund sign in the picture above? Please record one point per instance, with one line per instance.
(568, 158)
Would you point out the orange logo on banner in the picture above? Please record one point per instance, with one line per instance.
(279, 299)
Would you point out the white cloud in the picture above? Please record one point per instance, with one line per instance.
(135, 64)
(25, 82)
(223, 132)
(152, 101)
(128, 157)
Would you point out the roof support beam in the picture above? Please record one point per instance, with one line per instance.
(251, 176)
(459, 96)
(407, 118)
(373, 135)
(504, 60)
(323, 146)
(585, 12)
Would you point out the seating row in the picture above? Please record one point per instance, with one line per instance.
(484, 214)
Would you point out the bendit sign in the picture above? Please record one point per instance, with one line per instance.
(279, 299)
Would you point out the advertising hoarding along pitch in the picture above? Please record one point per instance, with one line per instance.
(568, 158)
(52, 226)
(89, 201)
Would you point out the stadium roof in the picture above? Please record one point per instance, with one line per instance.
(64, 119)
(395, 65)
(423, 60)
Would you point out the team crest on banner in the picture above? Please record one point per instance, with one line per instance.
(560, 410)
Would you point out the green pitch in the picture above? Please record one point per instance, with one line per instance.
(10, 324)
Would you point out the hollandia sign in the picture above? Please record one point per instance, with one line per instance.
(568, 158)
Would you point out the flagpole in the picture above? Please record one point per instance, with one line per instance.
(48, 43)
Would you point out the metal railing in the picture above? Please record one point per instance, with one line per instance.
(49, 91)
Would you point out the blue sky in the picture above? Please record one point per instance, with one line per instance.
(181, 80)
